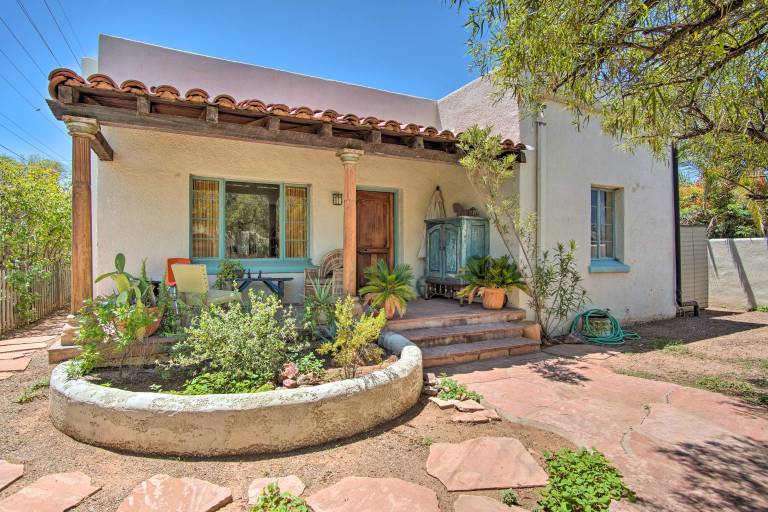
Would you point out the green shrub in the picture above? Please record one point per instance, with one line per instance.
(236, 343)
(763, 308)
(224, 383)
(452, 390)
(309, 363)
(229, 270)
(272, 500)
(355, 338)
(509, 497)
(582, 481)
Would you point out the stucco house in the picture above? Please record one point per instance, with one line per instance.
(182, 142)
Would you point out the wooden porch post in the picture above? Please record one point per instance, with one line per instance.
(83, 131)
(349, 159)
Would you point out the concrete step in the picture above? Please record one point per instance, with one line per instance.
(433, 336)
(468, 352)
(460, 316)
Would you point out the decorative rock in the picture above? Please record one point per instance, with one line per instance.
(484, 463)
(431, 379)
(468, 406)
(290, 383)
(360, 494)
(289, 371)
(306, 379)
(291, 484)
(443, 404)
(430, 390)
(9, 473)
(165, 493)
(467, 503)
(51, 493)
(470, 417)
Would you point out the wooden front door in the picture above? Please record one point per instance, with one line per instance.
(375, 230)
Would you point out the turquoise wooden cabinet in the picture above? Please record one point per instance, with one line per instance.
(450, 243)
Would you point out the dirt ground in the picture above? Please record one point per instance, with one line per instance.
(720, 350)
(398, 449)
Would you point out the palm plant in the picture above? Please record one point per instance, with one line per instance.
(387, 290)
(485, 272)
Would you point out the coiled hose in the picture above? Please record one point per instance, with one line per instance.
(596, 334)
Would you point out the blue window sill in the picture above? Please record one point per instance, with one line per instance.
(607, 266)
(265, 266)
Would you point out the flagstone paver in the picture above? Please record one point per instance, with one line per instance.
(290, 483)
(15, 365)
(443, 404)
(468, 406)
(484, 463)
(469, 503)
(15, 355)
(9, 473)
(26, 340)
(6, 375)
(162, 493)
(362, 494)
(483, 416)
(51, 493)
(16, 348)
(679, 448)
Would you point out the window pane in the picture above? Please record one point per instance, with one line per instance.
(205, 218)
(594, 225)
(252, 223)
(296, 214)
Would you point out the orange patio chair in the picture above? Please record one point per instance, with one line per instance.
(170, 280)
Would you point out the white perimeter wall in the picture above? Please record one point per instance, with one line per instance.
(738, 272)
(141, 198)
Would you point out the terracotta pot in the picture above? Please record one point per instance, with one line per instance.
(493, 298)
(154, 326)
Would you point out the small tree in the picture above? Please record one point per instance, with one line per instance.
(552, 279)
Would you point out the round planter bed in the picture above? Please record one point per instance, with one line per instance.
(211, 425)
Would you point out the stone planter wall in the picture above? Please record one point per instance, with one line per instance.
(211, 425)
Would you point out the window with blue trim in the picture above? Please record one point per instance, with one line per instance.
(249, 221)
(603, 243)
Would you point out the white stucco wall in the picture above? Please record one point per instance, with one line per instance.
(141, 199)
(738, 273)
(154, 65)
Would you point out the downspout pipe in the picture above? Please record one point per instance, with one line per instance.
(676, 216)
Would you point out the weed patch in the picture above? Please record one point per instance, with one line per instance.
(31, 392)
(452, 390)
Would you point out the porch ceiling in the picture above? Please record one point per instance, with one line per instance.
(162, 108)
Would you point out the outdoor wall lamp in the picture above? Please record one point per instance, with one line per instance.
(338, 199)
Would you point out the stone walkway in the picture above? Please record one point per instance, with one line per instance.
(16, 353)
(680, 449)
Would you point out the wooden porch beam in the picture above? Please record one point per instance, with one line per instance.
(101, 147)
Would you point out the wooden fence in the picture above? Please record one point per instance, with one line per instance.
(52, 294)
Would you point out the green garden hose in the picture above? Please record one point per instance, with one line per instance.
(598, 326)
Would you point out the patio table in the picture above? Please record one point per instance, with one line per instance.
(275, 284)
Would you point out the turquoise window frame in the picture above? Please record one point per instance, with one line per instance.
(280, 265)
(605, 264)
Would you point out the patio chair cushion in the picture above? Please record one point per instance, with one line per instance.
(190, 278)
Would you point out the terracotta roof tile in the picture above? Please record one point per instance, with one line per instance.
(255, 105)
(166, 92)
(134, 87)
(225, 101)
(197, 95)
(62, 76)
(99, 81)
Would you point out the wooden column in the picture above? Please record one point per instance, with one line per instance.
(349, 159)
(83, 131)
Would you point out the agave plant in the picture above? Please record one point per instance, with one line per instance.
(387, 290)
(487, 272)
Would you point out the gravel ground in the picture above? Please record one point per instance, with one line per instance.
(398, 449)
(720, 350)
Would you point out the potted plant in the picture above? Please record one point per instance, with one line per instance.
(387, 290)
(229, 270)
(135, 291)
(491, 278)
(319, 307)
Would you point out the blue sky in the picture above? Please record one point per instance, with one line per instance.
(414, 47)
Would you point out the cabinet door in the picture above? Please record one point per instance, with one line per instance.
(434, 256)
(476, 239)
(451, 248)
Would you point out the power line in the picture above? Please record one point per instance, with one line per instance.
(71, 28)
(23, 47)
(66, 41)
(12, 151)
(31, 136)
(25, 141)
(33, 86)
(36, 109)
(42, 38)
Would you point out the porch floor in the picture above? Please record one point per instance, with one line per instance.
(443, 312)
